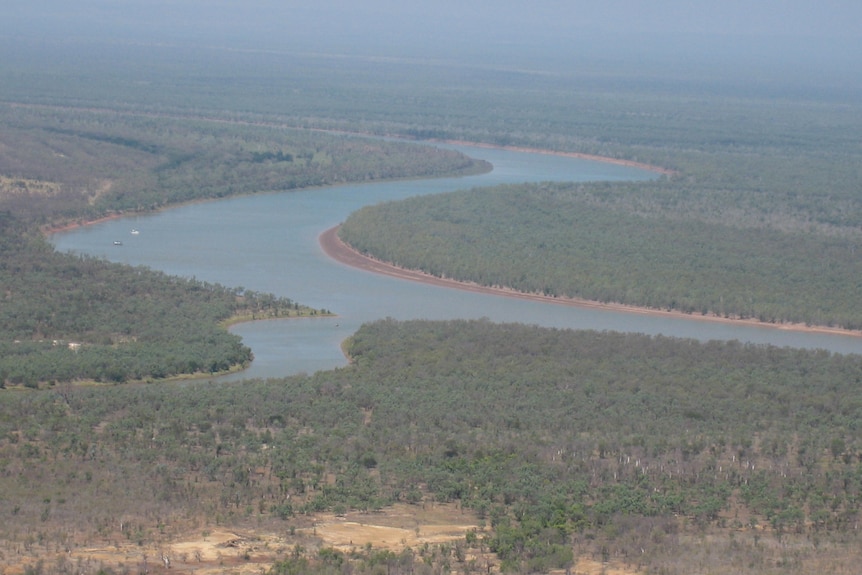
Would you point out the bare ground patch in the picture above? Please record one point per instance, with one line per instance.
(398, 527)
(251, 549)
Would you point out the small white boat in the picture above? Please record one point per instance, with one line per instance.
(118, 243)
(135, 232)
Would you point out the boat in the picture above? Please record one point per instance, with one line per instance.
(135, 232)
(118, 243)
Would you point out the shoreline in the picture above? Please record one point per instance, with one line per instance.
(345, 254)
(577, 155)
(51, 229)
(54, 228)
(334, 248)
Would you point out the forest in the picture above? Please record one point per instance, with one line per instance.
(629, 448)
(71, 165)
(759, 218)
(70, 318)
(591, 242)
(649, 454)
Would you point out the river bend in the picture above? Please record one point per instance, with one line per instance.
(269, 243)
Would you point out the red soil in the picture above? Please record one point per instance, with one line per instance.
(345, 254)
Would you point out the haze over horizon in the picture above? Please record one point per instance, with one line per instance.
(766, 48)
(798, 39)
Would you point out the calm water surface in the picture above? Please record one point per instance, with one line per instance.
(269, 243)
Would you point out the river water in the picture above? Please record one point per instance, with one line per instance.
(269, 243)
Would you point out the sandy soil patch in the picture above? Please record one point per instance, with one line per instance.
(248, 550)
(590, 567)
(399, 527)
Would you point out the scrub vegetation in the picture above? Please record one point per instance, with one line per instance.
(763, 226)
(69, 318)
(79, 319)
(647, 453)
(592, 242)
(92, 163)
(626, 449)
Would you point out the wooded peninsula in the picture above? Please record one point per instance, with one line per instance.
(69, 318)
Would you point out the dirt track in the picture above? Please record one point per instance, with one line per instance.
(343, 253)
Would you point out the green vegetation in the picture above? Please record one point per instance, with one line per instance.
(66, 164)
(67, 318)
(671, 456)
(761, 218)
(614, 445)
(591, 242)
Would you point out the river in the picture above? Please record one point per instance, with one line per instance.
(269, 243)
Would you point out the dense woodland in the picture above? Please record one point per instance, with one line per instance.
(591, 242)
(624, 447)
(69, 318)
(764, 156)
(761, 218)
(669, 456)
(66, 164)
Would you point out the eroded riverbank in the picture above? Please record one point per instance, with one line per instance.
(338, 250)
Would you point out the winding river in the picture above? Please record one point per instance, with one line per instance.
(269, 243)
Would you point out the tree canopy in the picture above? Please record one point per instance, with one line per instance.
(614, 443)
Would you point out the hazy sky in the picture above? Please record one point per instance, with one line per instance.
(807, 33)
(752, 17)
(803, 18)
